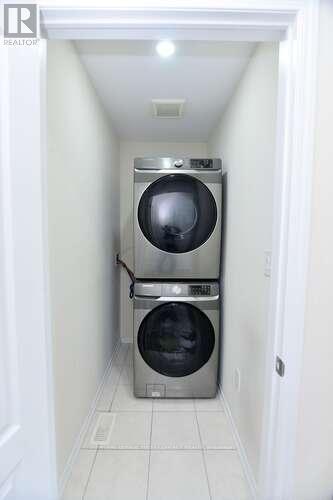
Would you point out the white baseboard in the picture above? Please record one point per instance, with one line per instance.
(79, 440)
(241, 450)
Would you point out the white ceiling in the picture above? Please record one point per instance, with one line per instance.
(129, 74)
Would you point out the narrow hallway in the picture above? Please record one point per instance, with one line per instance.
(155, 449)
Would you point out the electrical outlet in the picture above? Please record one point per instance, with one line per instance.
(268, 263)
(237, 380)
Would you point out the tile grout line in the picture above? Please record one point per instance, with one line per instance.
(150, 439)
(203, 455)
(172, 448)
(162, 450)
(113, 395)
(89, 475)
(157, 411)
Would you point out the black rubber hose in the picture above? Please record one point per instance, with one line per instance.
(130, 274)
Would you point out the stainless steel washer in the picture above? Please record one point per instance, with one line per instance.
(177, 218)
(176, 339)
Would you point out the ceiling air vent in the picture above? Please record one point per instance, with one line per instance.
(168, 108)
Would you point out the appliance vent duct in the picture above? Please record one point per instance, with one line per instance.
(168, 108)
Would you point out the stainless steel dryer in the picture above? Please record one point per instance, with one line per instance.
(177, 218)
(176, 339)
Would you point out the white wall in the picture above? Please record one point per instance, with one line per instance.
(83, 220)
(129, 151)
(314, 457)
(245, 139)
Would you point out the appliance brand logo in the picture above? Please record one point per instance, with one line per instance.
(20, 21)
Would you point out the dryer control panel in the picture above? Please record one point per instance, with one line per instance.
(201, 163)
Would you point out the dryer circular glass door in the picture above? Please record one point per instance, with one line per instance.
(177, 213)
(176, 339)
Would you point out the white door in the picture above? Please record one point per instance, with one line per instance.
(11, 450)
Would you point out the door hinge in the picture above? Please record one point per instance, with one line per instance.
(279, 366)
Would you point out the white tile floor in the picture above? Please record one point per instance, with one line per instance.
(158, 450)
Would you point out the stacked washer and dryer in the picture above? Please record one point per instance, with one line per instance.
(177, 241)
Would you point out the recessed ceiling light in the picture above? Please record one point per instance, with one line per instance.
(165, 48)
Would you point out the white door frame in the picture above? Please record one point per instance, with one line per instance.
(23, 214)
(295, 24)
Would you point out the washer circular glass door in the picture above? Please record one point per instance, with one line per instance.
(176, 339)
(177, 213)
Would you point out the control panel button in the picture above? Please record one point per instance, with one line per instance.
(176, 290)
(179, 163)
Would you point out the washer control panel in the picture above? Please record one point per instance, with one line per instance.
(176, 289)
(177, 163)
(202, 290)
